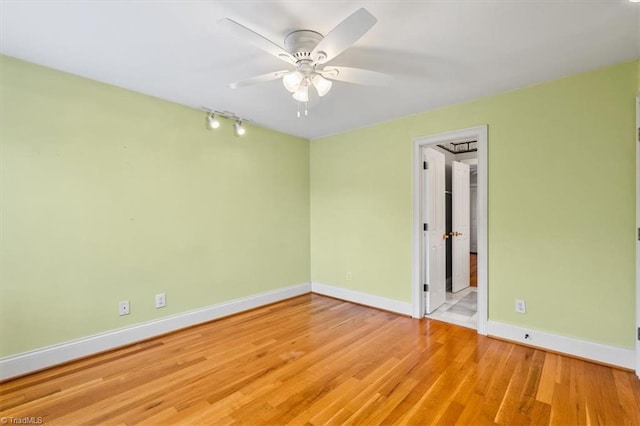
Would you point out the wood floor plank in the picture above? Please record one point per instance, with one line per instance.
(317, 360)
(628, 392)
(547, 379)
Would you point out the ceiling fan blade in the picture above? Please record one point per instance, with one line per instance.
(256, 39)
(343, 35)
(356, 75)
(259, 79)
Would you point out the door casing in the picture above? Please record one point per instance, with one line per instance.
(637, 143)
(480, 134)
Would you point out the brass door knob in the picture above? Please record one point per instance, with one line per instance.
(445, 236)
(457, 234)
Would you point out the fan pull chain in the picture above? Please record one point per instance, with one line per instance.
(306, 110)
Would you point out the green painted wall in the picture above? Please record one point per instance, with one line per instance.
(561, 202)
(110, 195)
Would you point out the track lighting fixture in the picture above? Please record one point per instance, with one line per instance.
(239, 129)
(214, 123)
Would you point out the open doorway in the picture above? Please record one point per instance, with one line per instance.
(446, 249)
(460, 236)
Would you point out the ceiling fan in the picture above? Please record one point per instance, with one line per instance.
(308, 51)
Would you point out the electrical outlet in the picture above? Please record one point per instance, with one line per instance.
(521, 306)
(161, 300)
(123, 308)
(349, 276)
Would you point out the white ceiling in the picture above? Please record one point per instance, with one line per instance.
(439, 52)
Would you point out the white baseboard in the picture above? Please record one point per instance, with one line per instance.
(366, 299)
(611, 355)
(27, 362)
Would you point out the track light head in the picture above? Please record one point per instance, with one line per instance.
(239, 129)
(212, 122)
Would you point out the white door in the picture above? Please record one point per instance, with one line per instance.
(434, 248)
(461, 215)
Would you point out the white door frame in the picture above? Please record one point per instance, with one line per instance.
(480, 134)
(637, 143)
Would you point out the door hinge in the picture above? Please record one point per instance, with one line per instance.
(426, 287)
(638, 333)
(425, 227)
(638, 234)
(425, 165)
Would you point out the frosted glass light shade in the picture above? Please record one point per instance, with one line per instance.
(302, 94)
(292, 81)
(321, 84)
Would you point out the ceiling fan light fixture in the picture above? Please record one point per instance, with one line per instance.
(239, 129)
(292, 80)
(308, 51)
(212, 122)
(302, 94)
(321, 84)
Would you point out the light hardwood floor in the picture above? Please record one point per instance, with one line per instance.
(317, 360)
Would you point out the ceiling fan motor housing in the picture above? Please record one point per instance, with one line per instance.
(301, 43)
